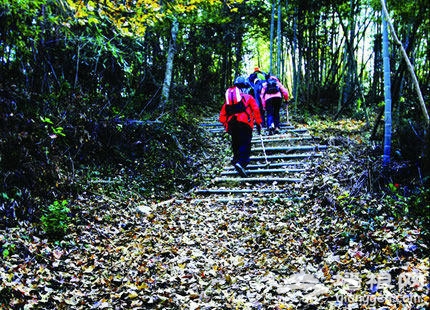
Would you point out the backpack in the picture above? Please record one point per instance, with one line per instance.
(234, 101)
(257, 88)
(272, 86)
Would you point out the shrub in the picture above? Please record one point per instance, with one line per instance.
(56, 219)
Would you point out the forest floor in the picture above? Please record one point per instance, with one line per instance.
(333, 246)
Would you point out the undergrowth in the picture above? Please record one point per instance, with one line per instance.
(42, 162)
(401, 188)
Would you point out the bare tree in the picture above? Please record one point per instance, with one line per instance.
(165, 92)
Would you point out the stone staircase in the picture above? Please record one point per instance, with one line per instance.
(278, 162)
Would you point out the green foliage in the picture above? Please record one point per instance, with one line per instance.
(397, 205)
(415, 206)
(56, 130)
(8, 249)
(183, 113)
(393, 187)
(420, 204)
(56, 219)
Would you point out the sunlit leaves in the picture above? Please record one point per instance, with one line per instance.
(133, 17)
(129, 18)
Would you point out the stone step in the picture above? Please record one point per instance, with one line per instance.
(287, 149)
(272, 165)
(291, 130)
(257, 179)
(277, 139)
(265, 171)
(241, 199)
(218, 124)
(238, 191)
(286, 156)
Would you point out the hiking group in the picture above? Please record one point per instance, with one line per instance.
(250, 101)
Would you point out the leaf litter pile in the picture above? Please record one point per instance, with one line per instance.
(332, 245)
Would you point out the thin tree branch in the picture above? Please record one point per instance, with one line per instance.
(410, 66)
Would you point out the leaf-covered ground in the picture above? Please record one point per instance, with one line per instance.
(333, 245)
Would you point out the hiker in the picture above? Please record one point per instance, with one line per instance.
(238, 114)
(261, 75)
(256, 80)
(271, 97)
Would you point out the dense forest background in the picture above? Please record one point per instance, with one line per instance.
(115, 89)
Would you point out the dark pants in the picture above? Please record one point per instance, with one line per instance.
(273, 107)
(241, 135)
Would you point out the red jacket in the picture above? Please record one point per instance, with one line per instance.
(282, 93)
(251, 115)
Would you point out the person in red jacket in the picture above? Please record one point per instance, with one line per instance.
(238, 114)
(271, 97)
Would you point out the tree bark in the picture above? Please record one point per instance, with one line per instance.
(296, 61)
(279, 42)
(272, 30)
(165, 92)
(387, 90)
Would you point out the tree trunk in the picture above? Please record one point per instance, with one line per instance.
(349, 59)
(296, 61)
(377, 65)
(272, 30)
(165, 92)
(387, 90)
(279, 42)
(238, 51)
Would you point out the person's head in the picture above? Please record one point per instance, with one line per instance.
(240, 82)
(256, 69)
